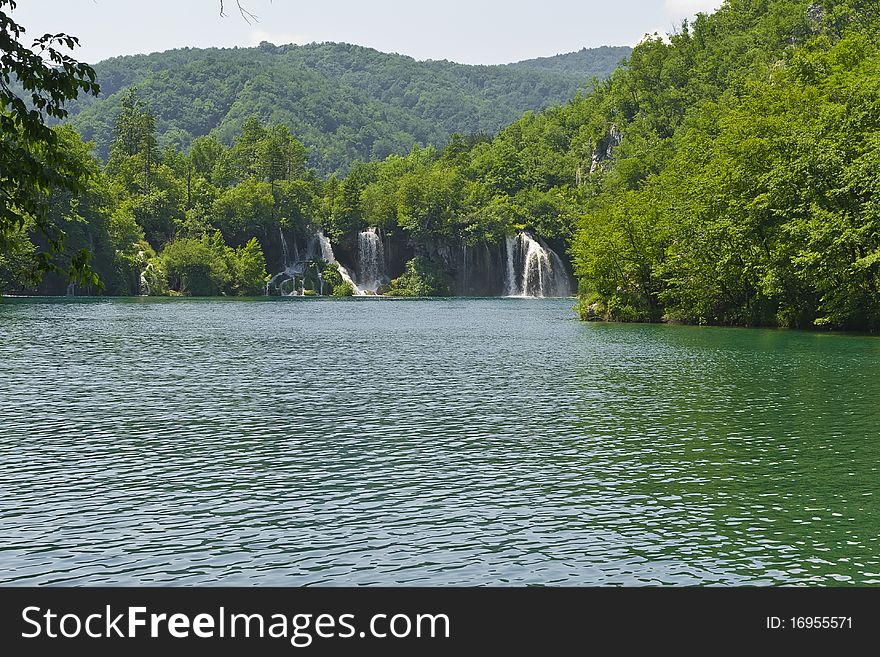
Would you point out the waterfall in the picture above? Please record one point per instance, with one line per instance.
(562, 283)
(371, 257)
(326, 248)
(510, 285)
(146, 290)
(534, 269)
(285, 252)
(348, 278)
(328, 255)
(294, 268)
(537, 268)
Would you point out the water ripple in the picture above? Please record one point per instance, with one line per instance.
(458, 442)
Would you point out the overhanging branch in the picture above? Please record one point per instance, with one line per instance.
(245, 14)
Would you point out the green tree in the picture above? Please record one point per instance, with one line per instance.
(196, 267)
(32, 161)
(244, 211)
(135, 145)
(422, 278)
(430, 201)
(249, 269)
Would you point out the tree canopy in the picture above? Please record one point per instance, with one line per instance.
(36, 82)
(743, 188)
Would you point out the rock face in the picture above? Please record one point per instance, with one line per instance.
(604, 150)
(816, 13)
(476, 270)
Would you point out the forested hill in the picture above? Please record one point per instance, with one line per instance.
(585, 62)
(345, 102)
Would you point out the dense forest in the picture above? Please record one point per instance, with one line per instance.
(344, 102)
(743, 188)
(726, 174)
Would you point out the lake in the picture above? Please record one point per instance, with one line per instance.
(435, 442)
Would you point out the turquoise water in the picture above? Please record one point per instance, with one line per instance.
(465, 442)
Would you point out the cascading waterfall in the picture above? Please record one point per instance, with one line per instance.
(326, 248)
(328, 255)
(510, 285)
(293, 268)
(529, 267)
(299, 267)
(534, 269)
(371, 258)
(146, 290)
(563, 284)
(348, 278)
(285, 252)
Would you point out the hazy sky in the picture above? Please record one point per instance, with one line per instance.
(467, 31)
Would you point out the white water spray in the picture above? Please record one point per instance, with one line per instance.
(328, 255)
(534, 269)
(371, 258)
(294, 268)
(149, 271)
(510, 285)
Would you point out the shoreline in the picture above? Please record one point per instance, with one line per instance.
(376, 298)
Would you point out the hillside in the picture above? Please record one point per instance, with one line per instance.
(589, 62)
(344, 102)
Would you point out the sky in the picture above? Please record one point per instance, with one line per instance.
(465, 31)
